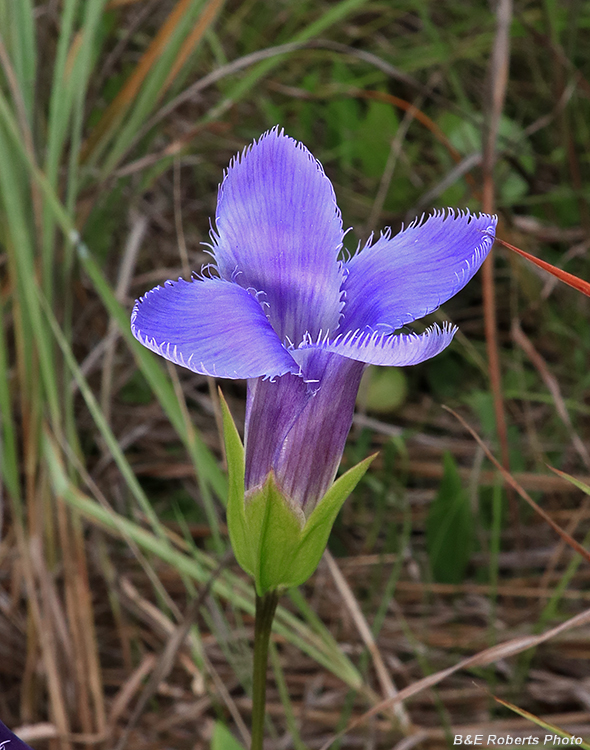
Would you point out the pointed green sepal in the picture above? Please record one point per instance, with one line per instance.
(319, 525)
(236, 515)
(271, 538)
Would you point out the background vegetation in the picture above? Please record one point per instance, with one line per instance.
(124, 621)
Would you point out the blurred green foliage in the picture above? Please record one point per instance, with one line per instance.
(449, 527)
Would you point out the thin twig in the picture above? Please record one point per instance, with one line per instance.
(387, 686)
(166, 660)
(509, 479)
(392, 159)
(498, 79)
(186, 269)
(489, 656)
(192, 92)
(553, 387)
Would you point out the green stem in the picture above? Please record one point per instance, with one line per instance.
(265, 612)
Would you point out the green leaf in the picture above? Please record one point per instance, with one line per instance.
(465, 135)
(572, 480)
(449, 527)
(374, 137)
(223, 739)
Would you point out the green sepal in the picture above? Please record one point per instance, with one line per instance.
(236, 469)
(271, 538)
(319, 525)
(275, 528)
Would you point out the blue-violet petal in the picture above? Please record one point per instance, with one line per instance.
(279, 230)
(400, 279)
(212, 327)
(374, 348)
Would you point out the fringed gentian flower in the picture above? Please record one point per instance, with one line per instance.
(301, 325)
